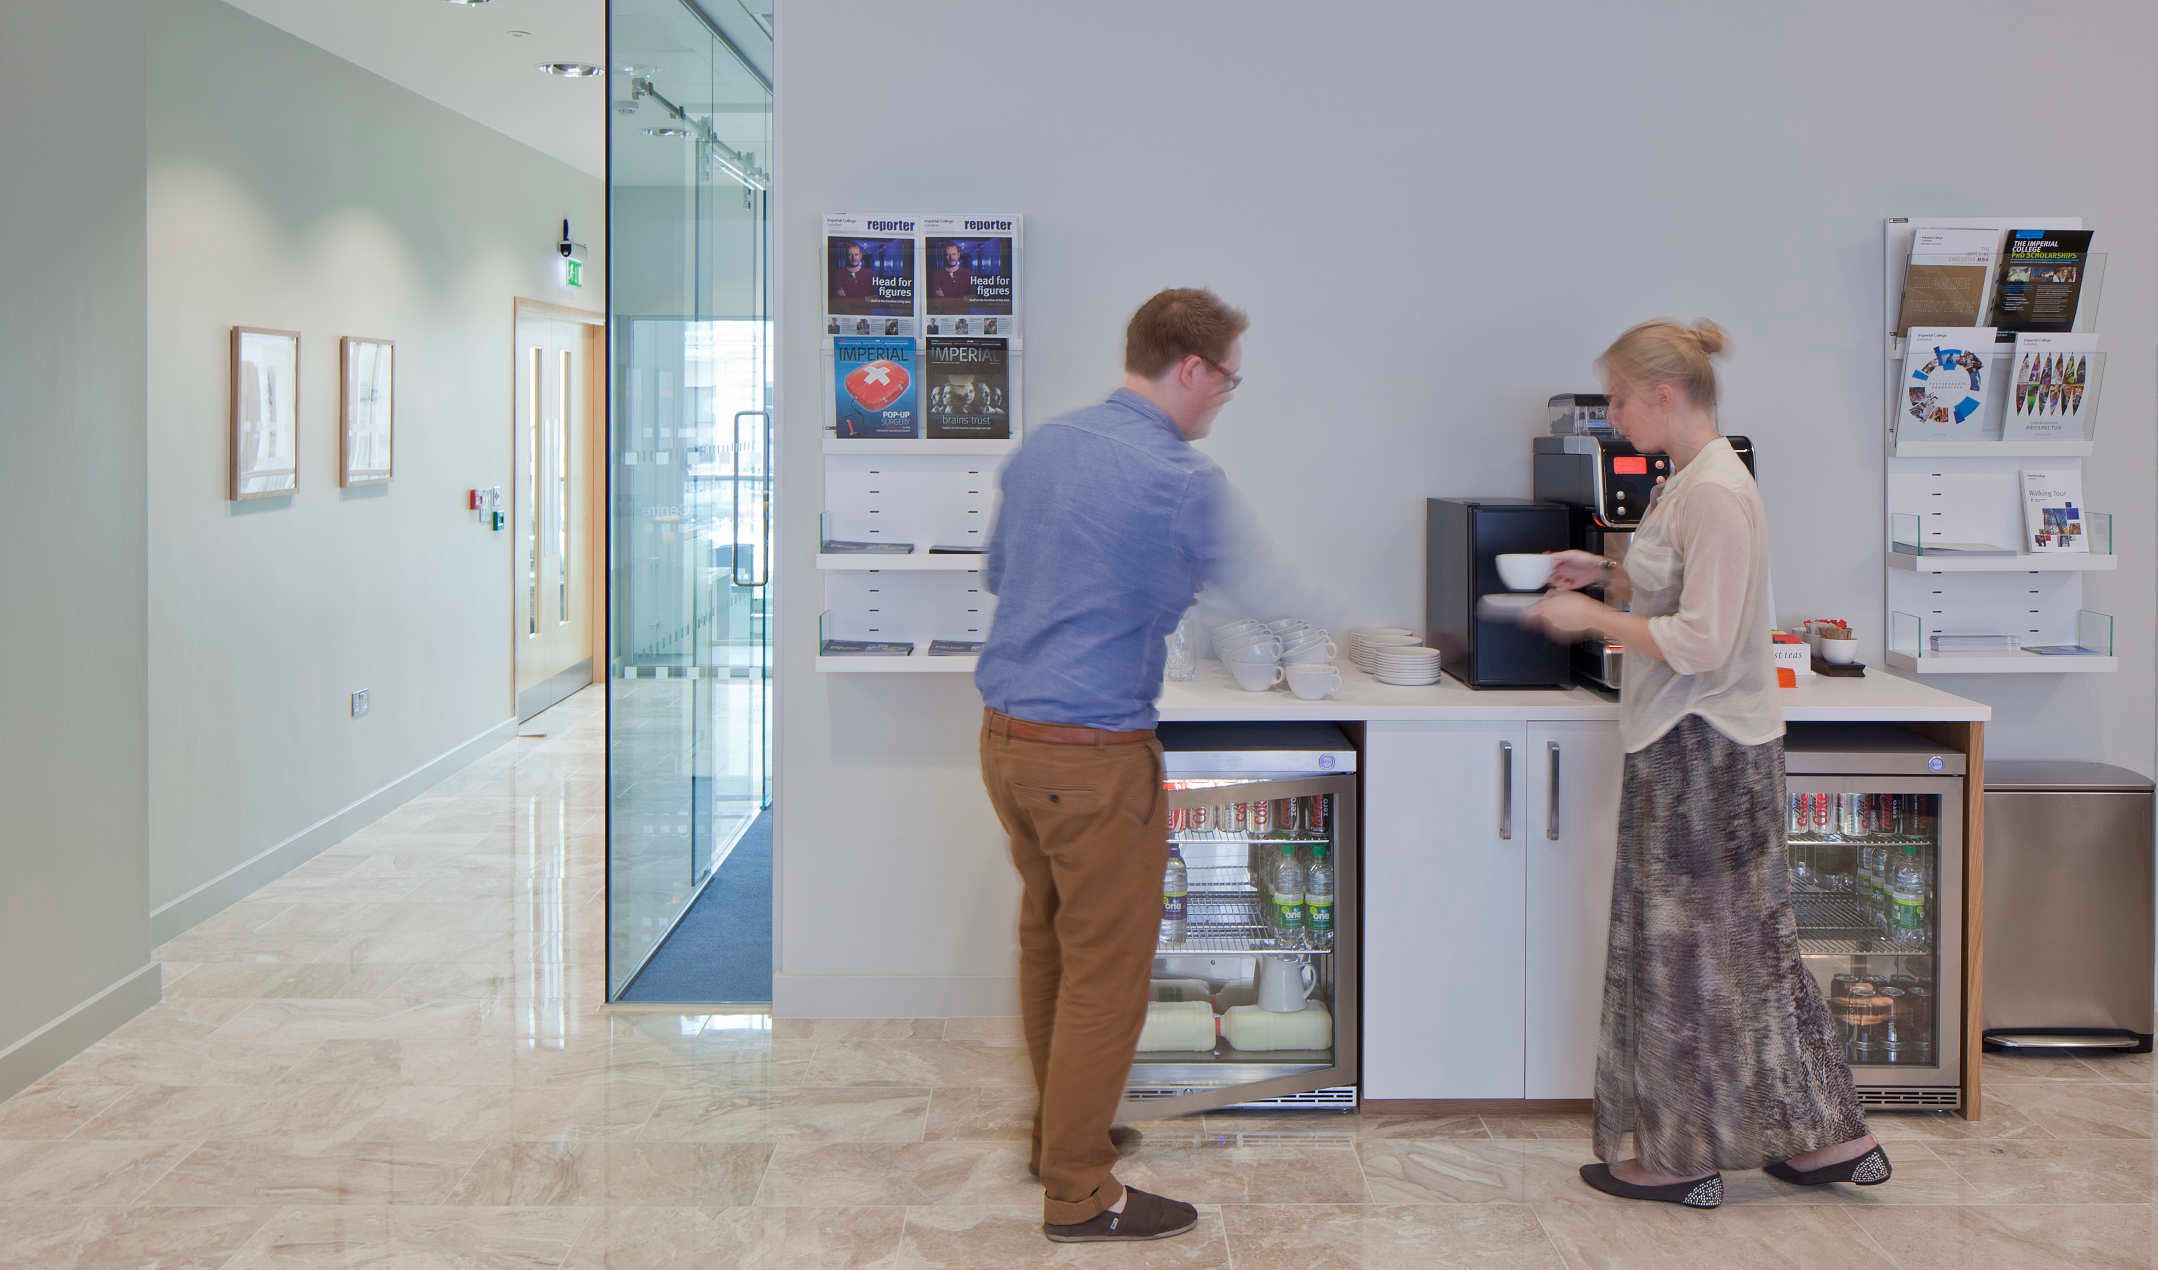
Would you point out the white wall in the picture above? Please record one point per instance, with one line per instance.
(74, 928)
(290, 189)
(1436, 216)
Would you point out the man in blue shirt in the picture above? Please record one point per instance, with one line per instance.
(1109, 525)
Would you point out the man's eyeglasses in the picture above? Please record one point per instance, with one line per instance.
(1230, 382)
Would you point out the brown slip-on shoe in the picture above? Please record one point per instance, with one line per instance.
(1145, 1216)
(1122, 1136)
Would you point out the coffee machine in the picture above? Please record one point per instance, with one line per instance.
(1464, 538)
(1606, 486)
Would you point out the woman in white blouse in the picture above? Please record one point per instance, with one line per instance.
(1717, 1050)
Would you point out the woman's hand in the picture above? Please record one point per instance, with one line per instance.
(1572, 570)
(1567, 616)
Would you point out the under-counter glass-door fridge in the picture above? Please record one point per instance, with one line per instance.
(1875, 823)
(1253, 999)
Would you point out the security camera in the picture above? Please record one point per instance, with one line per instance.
(566, 247)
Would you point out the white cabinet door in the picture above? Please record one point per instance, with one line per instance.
(1443, 910)
(1573, 795)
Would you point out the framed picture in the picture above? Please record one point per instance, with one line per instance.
(265, 440)
(367, 408)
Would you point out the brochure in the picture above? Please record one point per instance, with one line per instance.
(955, 647)
(2041, 279)
(869, 274)
(1945, 381)
(2053, 510)
(857, 547)
(970, 267)
(867, 648)
(1945, 282)
(969, 387)
(2052, 375)
(2061, 650)
(873, 389)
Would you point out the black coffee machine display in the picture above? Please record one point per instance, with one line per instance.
(1483, 644)
(1605, 485)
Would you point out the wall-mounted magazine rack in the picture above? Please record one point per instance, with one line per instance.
(1935, 644)
(1902, 230)
(892, 626)
(2032, 407)
(1913, 550)
(1964, 590)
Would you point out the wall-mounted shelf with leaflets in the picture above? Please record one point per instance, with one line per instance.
(1922, 647)
(1910, 550)
(936, 446)
(923, 400)
(1988, 428)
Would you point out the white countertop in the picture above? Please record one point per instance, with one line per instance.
(1879, 697)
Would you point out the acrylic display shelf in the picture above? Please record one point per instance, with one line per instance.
(920, 663)
(1908, 551)
(1911, 649)
(920, 558)
(2018, 449)
(924, 446)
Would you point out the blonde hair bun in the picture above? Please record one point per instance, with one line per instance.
(1663, 352)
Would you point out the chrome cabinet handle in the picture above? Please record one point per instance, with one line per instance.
(1506, 791)
(1551, 821)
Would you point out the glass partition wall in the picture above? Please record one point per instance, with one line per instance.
(689, 541)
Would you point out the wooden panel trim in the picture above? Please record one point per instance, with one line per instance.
(1477, 1106)
(1970, 740)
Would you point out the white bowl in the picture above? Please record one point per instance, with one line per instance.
(1524, 570)
(1838, 652)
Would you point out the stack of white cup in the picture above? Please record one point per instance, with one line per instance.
(1260, 655)
(1251, 652)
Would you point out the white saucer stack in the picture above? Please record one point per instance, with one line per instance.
(1405, 664)
(1365, 642)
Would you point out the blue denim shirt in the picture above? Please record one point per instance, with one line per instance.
(1109, 525)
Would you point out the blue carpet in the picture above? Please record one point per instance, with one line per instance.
(721, 950)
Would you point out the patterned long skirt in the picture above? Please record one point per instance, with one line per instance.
(1717, 1051)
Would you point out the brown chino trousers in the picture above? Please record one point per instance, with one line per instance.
(1089, 829)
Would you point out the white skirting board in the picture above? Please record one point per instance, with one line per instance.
(245, 878)
(895, 996)
(29, 1059)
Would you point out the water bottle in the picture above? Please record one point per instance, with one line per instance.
(1871, 885)
(1319, 900)
(1288, 914)
(1907, 896)
(1183, 659)
(1175, 892)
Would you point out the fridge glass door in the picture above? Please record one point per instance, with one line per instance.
(1248, 1004)
(1876, 880)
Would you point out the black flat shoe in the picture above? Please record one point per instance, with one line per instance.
(1704, 1193)
(1870, 1169)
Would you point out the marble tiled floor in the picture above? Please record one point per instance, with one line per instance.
(397, 1056)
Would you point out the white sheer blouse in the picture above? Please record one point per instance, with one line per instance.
(1699, 568)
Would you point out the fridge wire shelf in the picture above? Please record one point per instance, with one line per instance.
(1832, 924)
(1862, 839)
(1232, 923)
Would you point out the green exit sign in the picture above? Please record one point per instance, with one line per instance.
(572, 272)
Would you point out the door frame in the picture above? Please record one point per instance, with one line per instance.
(594, 323)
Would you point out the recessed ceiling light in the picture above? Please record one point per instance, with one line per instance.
(520, 34)
(468, 4)
(668, 132)
(571, 70)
